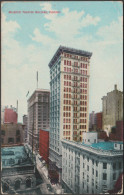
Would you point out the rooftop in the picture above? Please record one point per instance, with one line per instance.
(102, 145)
(69, 50)
(14, 156)
(39, 90)
(45, 130)
(101, 148)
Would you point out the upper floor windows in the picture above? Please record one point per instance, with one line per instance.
(83, 65)
(104, 176)
(104, 165)
(66, 69)
(66, 62)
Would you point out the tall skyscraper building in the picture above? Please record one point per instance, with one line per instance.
(112, 106)
(69, 99)
(38, 115)
(92, 120)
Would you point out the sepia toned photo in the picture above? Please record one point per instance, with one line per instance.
(61, 97)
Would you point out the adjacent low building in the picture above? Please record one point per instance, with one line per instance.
(12, 134)
(91, 167)
(18, 172)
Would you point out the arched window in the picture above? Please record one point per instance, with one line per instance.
(28, 182)
(5, 186)
(17, 184)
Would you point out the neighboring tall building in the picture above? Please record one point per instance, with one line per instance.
(99, 121)
(38, 115)
(69, 99)
(92, 121)
(91, 167)
(10, 115)
(12, 134)
(112, 105)
(44, 144)
(25, 123)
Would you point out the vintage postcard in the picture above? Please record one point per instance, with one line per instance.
(62, 97)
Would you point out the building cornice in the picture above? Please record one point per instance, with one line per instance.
(68, 50)
(96, 151)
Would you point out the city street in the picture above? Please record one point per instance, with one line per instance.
(56, 189)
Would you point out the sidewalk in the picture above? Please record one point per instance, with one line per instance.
(57, 189)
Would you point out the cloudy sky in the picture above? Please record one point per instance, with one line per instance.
(29, 40)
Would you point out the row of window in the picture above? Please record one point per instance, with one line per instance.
(81, 115)
(83, 65)
(66, 120)
(67, 108)
(17, 185)
(67, 114)
(67, 62)
(67, 102)
(66, 126)
(3, 132)
(81, 109)
(68, 77)
(75, 90)
(75, 84)
(67, 69)
(75, 133)
(66, 133)
(84, 72)
(76, 57)
(11, 140)
(66, 95)
(75, 127)
(75, 78)
(67, 89)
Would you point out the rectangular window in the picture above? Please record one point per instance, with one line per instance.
(114, 176)
(120, 165)
(93, 171)
(2, 132)
(114, 165)
(18, 139)
(17, 132)
(96, 173)
(2, 140)
(104, 176)
(104, 165)
(11, 140)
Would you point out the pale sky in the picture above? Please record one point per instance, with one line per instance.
(29, 41)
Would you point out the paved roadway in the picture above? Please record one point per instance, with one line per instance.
(43, 186)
